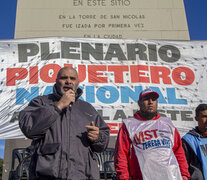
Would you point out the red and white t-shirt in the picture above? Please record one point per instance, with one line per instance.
(149, 149)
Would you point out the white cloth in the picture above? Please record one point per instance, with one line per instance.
(153, 141)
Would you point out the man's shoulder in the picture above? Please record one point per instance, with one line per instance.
(165, 119)
(85, 105)
(194, 133)
(82, 102)
(44, 98)
(191, 136)
(131, 120)
(187, 135)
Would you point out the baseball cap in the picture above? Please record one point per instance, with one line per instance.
(147, 91)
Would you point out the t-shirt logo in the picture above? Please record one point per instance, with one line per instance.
(150, 139)
(145, 135)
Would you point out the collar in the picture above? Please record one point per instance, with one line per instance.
(137, 116)
(205, 134)
(195, 132)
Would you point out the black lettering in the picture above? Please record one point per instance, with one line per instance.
(69, 50)
(185, 116)
(88, 50)
(26, 50)
(152, 50)
(15, 117)
(77, 2)
(45, 53)
(115, 50)
(161, 113)
(169, 53)
(119, 114)
(134, 49)
(173, 114)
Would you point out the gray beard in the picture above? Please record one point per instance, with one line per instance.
(147, 115)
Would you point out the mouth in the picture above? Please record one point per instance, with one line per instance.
(150, 107)
(67, 88)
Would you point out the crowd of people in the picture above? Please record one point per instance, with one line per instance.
(66, 132)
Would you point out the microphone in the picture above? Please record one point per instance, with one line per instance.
(70, 105)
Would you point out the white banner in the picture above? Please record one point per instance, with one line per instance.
(112, 73)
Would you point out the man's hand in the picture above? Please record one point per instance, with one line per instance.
(67, 98)
(93, 132)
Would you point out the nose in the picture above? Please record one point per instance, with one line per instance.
(67, 81)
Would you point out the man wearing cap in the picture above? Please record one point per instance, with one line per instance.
(148, 146)
(195, 145)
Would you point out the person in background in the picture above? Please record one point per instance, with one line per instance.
(65, 132)
(195, 145)
(148, 146)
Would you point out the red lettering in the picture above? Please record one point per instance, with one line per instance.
(68, 65)
(148, 135)
(139, 139)
(136, 139)
(139, 74)
(141, 135)
(33, 75)
(155, 132)
(183, 76)
(159, 72)
(14, 74)
(94, 74)
(118, 72)
(49, 72)
(81, 73)
(114, 127)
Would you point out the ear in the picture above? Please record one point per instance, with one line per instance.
(196, 118)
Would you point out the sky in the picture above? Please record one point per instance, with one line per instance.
(195, 12)
(196, 17)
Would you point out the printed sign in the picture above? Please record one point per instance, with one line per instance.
(112, 73)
